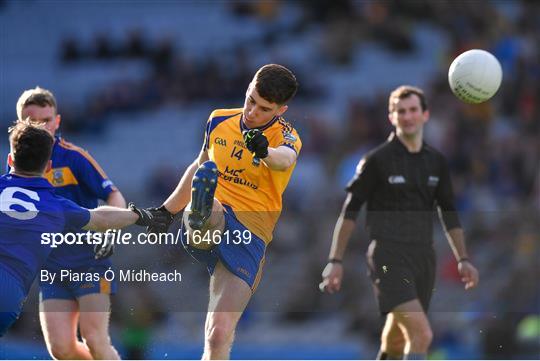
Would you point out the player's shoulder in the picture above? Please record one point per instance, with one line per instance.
(71, 149)
(286, 128)
(224, 113)
(434, 152)
(76, 153)
(381, 151)
(285, 125)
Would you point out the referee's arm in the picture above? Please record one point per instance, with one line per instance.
(358, 190)
(344, 227)
(453, 230)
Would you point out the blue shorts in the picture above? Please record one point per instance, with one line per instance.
(245, 260)
(11, 300)
(72, 288)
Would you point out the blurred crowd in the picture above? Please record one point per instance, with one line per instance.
(493, 150)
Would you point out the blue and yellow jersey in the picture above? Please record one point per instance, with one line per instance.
(77, 176)
(250, 188)
(29, 207)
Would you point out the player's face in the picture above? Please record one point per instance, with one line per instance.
(407, 116)
(258, 111)
(46, 115)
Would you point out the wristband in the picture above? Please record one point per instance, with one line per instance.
(463, 259)
(335, 260)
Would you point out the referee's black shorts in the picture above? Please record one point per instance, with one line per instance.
(400, 273)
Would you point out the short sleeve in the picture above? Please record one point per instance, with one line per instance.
(76, 217)
(92, 175)
(289, 138)
(364, 180)
(445, 198)
(207, 131)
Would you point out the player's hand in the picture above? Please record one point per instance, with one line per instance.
(469, 274)
(164, 227)
(256, 142)
(332, 276)
(106, 248)
(151, 217)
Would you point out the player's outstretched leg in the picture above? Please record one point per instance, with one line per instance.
(203, 187)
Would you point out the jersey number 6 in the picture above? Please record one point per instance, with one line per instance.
(7, 200)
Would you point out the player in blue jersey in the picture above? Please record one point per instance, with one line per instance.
(76, 176)
(29, 208)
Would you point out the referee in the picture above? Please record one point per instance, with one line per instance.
(402, 181)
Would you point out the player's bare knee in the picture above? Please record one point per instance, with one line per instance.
(95, 340)
(62, 349)
(219, 330)
(218, 336)
(421, 339)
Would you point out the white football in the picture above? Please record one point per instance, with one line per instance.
(475, 76)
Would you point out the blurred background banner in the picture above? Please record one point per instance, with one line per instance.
(136, 81)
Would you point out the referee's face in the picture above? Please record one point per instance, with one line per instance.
(407, 116)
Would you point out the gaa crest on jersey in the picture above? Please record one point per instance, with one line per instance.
(433, 180)
(396, 179)
(220, 141)
(58, 177)
(289, 137)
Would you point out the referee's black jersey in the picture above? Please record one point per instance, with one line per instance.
(402, 190)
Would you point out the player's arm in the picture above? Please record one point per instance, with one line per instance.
(280, 158)
(453, 230)
(107, 217)
(116, 199)
(181, 196)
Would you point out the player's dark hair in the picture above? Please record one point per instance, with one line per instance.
(406, 91)
(37, 96)
(31, 147)
(275, 83)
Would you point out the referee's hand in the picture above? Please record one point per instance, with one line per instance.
(469, 274)
(332, 276)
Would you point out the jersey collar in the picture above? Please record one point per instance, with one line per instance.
(243, 125)
(393, 138)
(35, 182)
